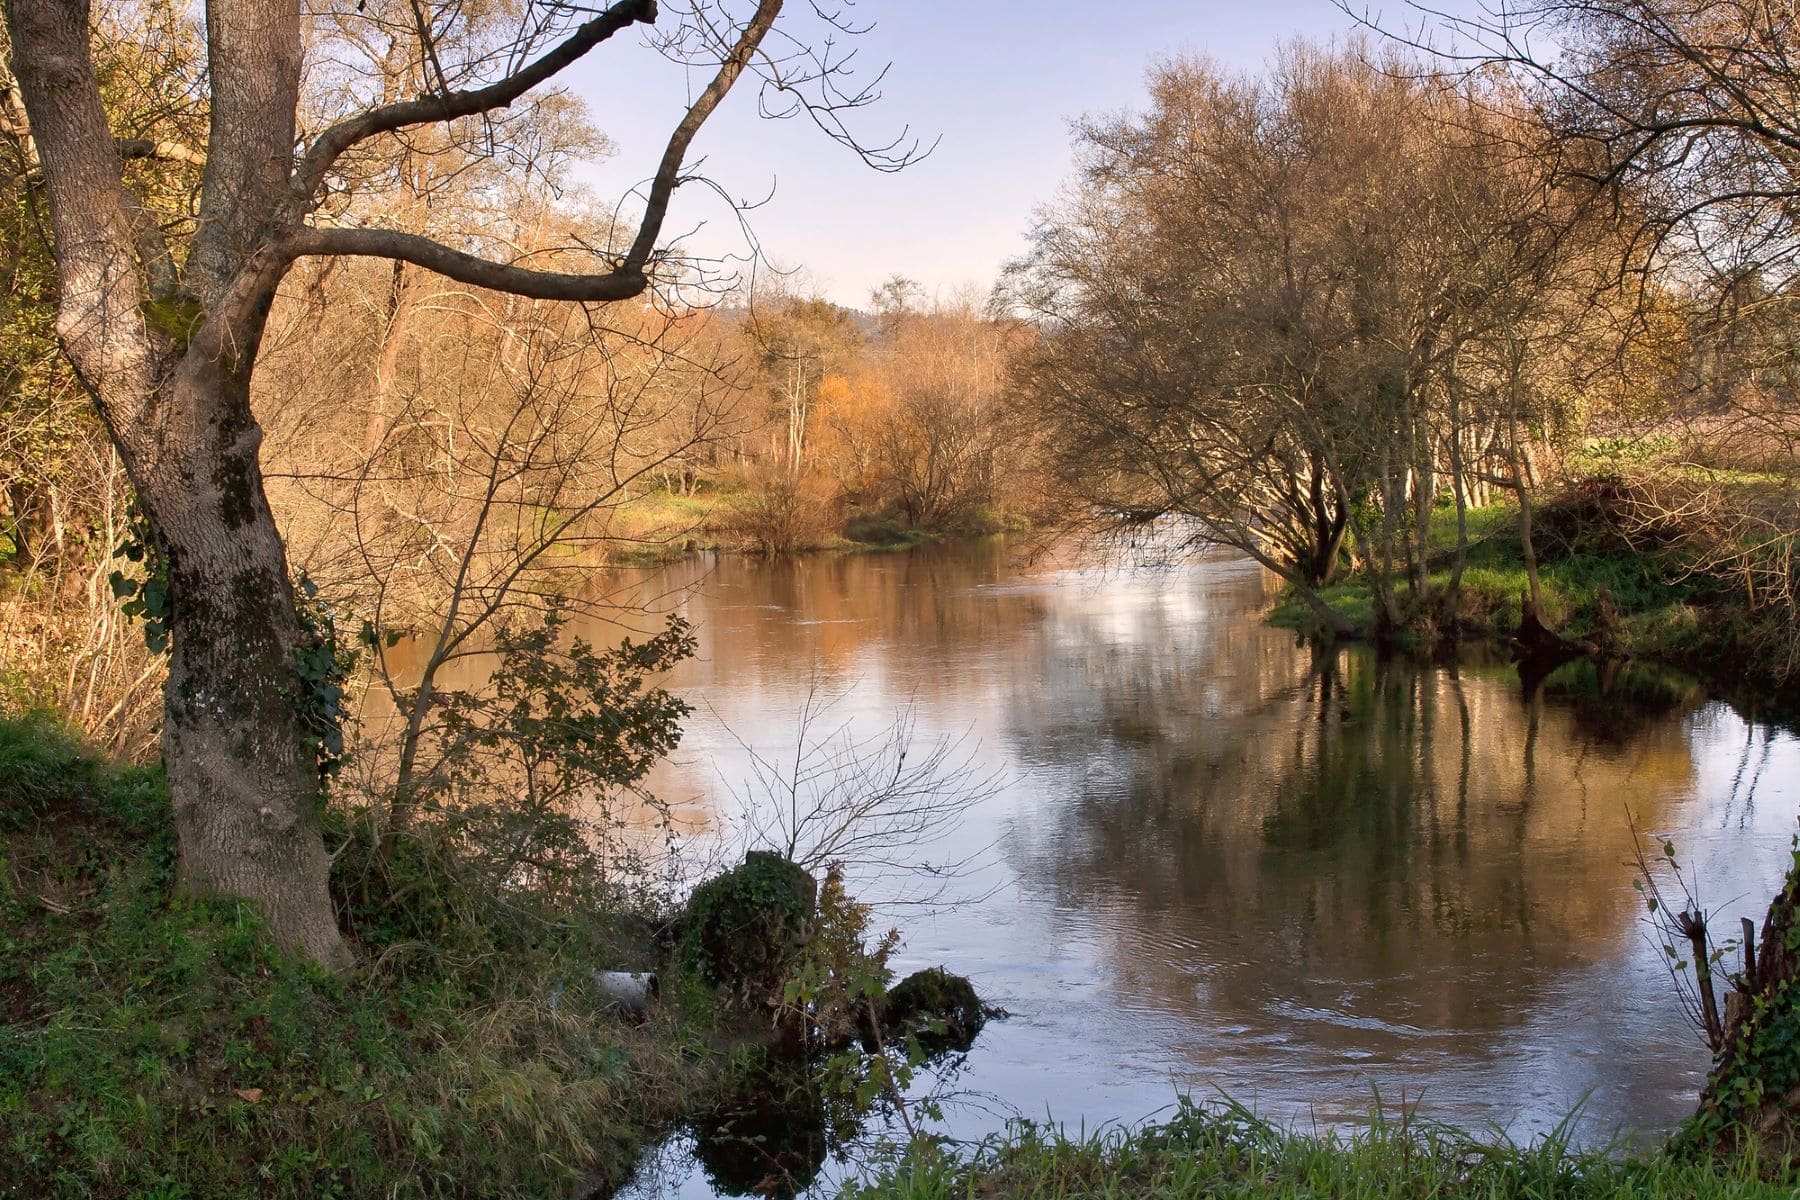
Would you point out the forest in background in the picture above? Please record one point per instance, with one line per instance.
(1336, 314)
(1358, 318)
(1449, 354)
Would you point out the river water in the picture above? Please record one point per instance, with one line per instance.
(1212, 860)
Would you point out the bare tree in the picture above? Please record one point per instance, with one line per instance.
(1299, 309)
(468, 524)
(1683, 114)
(165, 337)
(65, 504)
(941, 442)
(1235, 318)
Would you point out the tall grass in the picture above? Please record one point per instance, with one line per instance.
(65, 644)
(1225, 1151)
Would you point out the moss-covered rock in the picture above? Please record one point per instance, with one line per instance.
(743, 930)
(937, 1007)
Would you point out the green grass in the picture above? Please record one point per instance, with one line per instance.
(1640, 604)
(1491, 521)
(670, 510)
(1494, 580)
(1657, 613)
(152, 1046)
(1224, 1151)
(658, 525)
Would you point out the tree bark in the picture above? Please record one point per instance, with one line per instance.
(1329, 521)
(242, 774)
(1527, 546)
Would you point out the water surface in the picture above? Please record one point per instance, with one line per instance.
(1218, 861)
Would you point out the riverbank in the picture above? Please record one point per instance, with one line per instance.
(659, 526)
(155, 1046)
(1044, 632)
(483, 1043)
(1223, 1150)
(1634, 600)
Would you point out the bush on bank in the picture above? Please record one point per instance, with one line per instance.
(151, 1046)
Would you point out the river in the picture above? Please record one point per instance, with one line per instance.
(1214, 860)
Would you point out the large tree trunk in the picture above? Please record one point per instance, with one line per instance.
(166, 348)
(169, 369)
(241, 771)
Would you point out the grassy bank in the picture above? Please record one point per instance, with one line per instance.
(1223, 1151)
(151, 1046)
(1597, 587)
(658, 526)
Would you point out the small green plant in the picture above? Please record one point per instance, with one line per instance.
(145, 592)
(840, 978)
(1601, 453)
(523, 807)
(531, 768)
(322, 665)
(840, 989)
(176, 316)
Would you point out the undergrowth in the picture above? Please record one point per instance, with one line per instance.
(154, 1046)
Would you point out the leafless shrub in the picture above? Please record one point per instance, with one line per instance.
(1682, 934)
(783, 513)
(1738, 534)
(874, 802)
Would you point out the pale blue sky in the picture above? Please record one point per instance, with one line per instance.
(998, 82)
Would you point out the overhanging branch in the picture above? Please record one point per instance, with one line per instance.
(617, 284)
(629, 277)
(668, 172)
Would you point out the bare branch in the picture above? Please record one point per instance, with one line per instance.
(614, 284)
(668, 172)
(388, 118)
(132, 148)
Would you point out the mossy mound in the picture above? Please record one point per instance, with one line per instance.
(743, 930)
(937, 1007)
(1752, 1096)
